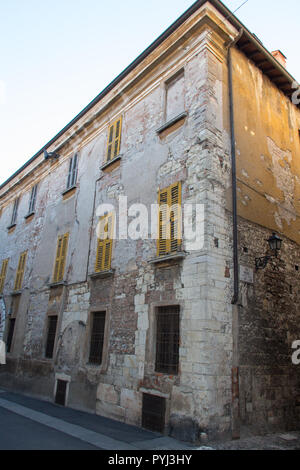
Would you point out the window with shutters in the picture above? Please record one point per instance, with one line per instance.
(170, 220)
(167, 340)
(20, 271)
(60, 260)
(3, 274)
(32, 201)
(51, 335)
(104, 243)
(114, 140)
(15, 212)
(97, 337)
(72, 175)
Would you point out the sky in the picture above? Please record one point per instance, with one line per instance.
(57, 55)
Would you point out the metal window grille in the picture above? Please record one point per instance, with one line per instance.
(97, 338)
(167, 340)
(153, 413)
(10, 334)
(61, 390)
(52, 323)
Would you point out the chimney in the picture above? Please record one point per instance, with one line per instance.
(280, 57)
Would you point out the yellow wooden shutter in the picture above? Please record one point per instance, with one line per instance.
(175, 222)
(61, 255)
(169, 200)
(104, 244)
(114, 139)
(163, 240)
(3, 274)
(20, 271)
(117, 141)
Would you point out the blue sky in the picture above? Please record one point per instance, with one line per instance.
(57, 55)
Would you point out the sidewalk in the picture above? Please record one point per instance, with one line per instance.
(102, 433)
(106, 434)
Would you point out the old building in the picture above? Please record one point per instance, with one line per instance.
(156, 333)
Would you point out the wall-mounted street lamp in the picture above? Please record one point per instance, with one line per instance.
(50, 155)
(275, 244)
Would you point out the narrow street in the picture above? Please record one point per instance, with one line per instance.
(31, 424)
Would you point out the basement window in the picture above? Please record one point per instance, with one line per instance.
(153, 413)
(61, 392)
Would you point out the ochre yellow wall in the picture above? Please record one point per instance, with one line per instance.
(268, 150)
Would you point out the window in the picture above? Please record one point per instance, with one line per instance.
(153, 413)
(169, 200)
(51, 334)
(3, 274)
(114, 140)
(15, 211)
(61, 392)
(10, 335)
(104, 244)
(20, 271)
(12, 321)
(174, 96)
(97, 337)
(72, 176)
(167, 340)
(32, 199)
(60, 260)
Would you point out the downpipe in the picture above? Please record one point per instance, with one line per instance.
(2, 329)
(235, 416)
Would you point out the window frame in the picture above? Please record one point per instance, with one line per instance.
(170, 244)
(52, 337)
(3, 274)
(15, 212)
(20, 271)
(103, 261)
(32, 200)
(92, 360)
(171, 368)
(167, 85)
(60, 258)
(73, 172)
(113, 140)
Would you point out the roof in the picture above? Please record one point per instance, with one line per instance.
(248, 43)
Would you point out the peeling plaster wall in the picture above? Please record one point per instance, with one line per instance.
(268, 145)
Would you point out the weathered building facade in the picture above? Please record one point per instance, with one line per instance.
(158, 335)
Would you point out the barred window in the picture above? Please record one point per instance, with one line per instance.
(10, 335)
(97, 337)
(51, 334)
(167, 340)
